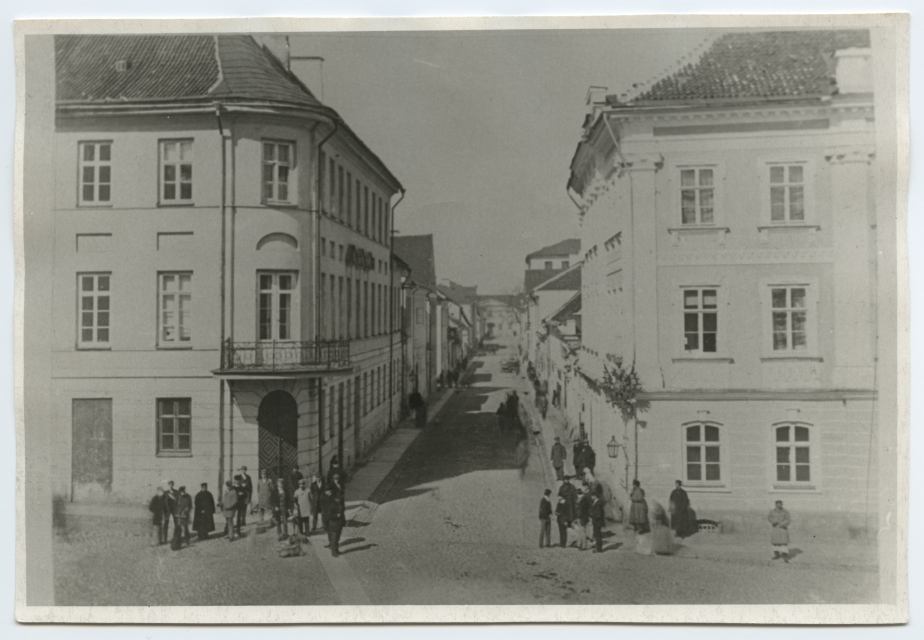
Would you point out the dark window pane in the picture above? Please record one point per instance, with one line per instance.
(183, 443)
(779, 321)
(88, 193)
(266, 283)
(86, 335)
(693, 434)
(86, 303)
(283, 151)
(694, 472)
(102, 303)
(795, 174)
(777, 174)
(170, 191)
(778, 297)
(710, 322)
(782, 434)
(694, 454)
(690, 322)
(102, 283)
(269, 151)
(104, 152)
(283, 192)
(709, 343)
(782, 473)
(802, 473)
(102, 319)
(86, 283)
(712, 454)
(186, 191)
(802, 434)
(712, 433)
(798, 298)
(166, 442)
(692, 342)
(183, 406)
(104, 193)
(782, 455)
(186, 172)
(102, 335)
(779, 342)
(712, 473)
(688, 178)
(89, 152)
(104, 173)
(802, 455)
(705, 177)
(86, 319)
(283, 174)
(799, 341)
(169, 172)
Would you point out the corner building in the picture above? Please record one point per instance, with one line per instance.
(222, 275)
(729, 228)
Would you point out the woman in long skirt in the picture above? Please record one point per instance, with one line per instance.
(264, 494)
(638, 512)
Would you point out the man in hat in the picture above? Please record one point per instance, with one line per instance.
(779, 533)
(170, 498)
(247, 483)
(204, 520)
(335, 514)
(184, 507)
(559, 453)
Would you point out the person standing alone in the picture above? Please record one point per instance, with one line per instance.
(779, 532)
(597, 518)
(204, 520)
(335, 515)
(559, 453)
(545, 520)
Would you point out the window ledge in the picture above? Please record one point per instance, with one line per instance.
(704, 358)
(174, 454)
(788, 225)
(89, 205)
(706, 488)
(182, 203)
(795, 488)
(93, 348)
(276, 203)
(677, 232)
(792, 357)
(170, 347)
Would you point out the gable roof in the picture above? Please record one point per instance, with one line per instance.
(567, 280)
(759, 65)
(569, 247)
(568, 310)
(417, 252)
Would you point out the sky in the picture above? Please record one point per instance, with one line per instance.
(480, 127)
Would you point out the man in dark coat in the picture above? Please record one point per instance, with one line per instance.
(316, 488)
(597, 518)
(559, 453)
(569, 493)
(588, 458)
(247, 483)
(563, 514)
(160, 515)
(513, 406)
(281, 501)
(335, 514)
(683, 520)
(545, 519)
(204, 520)
(183, 510)
(578, 451)
(241, 501)
(584, 504)
(170, 497)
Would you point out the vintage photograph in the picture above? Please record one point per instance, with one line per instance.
(338, 319)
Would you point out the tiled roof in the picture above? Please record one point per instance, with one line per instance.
(759, 65)
(417, 252)
(569, 247)
(170, 67)
(567, 280)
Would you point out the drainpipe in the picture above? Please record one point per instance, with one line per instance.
(391, 316)
(222, 383)
(317, 285)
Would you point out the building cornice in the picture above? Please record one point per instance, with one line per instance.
(756, 395)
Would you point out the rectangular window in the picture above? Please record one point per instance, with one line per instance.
(333, 307)
(381, 218)
(548, 264)
(700, 320)
(703, 453)
(789, 318)
(793, 453)
(93, 290)
(787, 193)
(365, 393)
(278, 160)
(349, 198)
(332, 189)
(95, 172)
(323, 247)
(175, 309)
(325, 332)
(340, 308)
(349, 311)
(340, 193)
(387, 235)
(359, 311)
(174, 425)
(176, 171)
(371, 230)
(565, 264)
(366, 210)
(365, 330)
(359, 202)
(697, 196)
(276, 304)
(322, 180)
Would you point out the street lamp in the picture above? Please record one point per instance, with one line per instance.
(612, 447)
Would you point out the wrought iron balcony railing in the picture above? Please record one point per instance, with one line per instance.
(284, 356)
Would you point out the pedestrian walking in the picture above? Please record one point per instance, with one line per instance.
(577, 458)
(588, 457)
(335, 515)
(502, 418)
(282, 507)
(247, 484)
(315, 488)
(303, 507)
(597, 518)
(779, 531)
(170, 498)
(564, 518)
(683, 518)
(521, 455)
(229, 508)
(335, 470)
(513, 406)
(543, 405)
(559, 453)
(263, 502)
(160, 517)
(419, 405)
(582, 523)
(569, 493)
(638, 512)
(241, 501)
(204, 518)
(183, 509)
(545, 519)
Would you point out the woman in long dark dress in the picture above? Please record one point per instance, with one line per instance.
(204, 520)
(683, 519)
(638, 512)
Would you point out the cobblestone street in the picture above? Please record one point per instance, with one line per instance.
(452, 523)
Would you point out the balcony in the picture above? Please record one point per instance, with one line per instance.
(284, 359)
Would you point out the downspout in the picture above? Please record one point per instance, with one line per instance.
(391, 316)
(622, 159)
(221, 383)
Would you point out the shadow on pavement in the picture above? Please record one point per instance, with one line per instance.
(355, 549)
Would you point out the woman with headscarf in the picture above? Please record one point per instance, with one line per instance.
(638, 512)
(683, 518)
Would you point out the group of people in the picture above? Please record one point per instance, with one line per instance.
(303, 504)
(577, 509)
(453, 377)
(508, 415)
(585, 459)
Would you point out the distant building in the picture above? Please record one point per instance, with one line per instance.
(729, 248)
(501, 315)
(542, 300)
(222, 286)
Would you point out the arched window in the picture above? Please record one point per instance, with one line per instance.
(793, 455)
(702, 452)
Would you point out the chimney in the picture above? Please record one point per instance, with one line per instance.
(277, 45)
(853, 71)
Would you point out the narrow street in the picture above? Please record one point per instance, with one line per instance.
(453, 523)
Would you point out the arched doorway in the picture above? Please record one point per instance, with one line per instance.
(278, 425)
